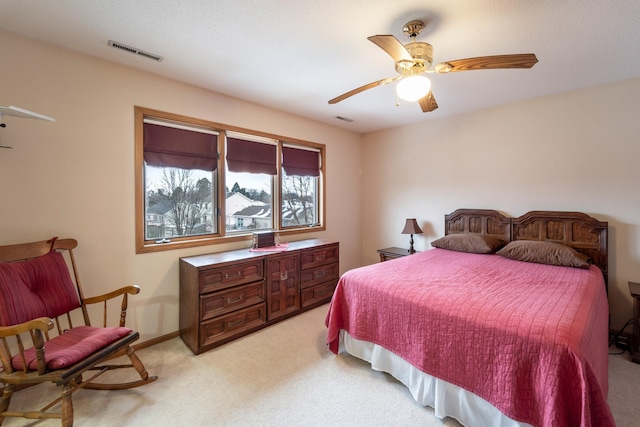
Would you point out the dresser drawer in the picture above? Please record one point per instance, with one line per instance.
(317, 294)
(236, 274)
(219, 303)
(314, 257)
(236, 323)
(315, 276)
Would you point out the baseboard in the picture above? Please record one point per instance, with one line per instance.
(148, 343)
(156, 340)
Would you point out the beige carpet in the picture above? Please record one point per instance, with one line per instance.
(280, 376)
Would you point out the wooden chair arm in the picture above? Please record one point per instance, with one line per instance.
(43, 324)
(124, 292)
(132, 290)
(38, 329)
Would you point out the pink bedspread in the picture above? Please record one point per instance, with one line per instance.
(529, 338)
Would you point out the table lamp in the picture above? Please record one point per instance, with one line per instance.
(411, 227)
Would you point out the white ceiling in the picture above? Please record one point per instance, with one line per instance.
(295, 55)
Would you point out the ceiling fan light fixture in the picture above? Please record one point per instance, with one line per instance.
(412, 88)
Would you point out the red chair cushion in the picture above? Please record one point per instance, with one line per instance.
(71, 347)
(38, 287)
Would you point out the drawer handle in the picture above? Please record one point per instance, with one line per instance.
(236, 323)
(320, 257)
(283, 276)
(235, 299)
(320, 274)
(232, 275)
(321, 292)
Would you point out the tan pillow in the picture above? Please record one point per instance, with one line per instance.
(472, 243)
(545, 253)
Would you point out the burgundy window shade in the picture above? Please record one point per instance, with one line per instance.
(166, 146)
(300, 162)
(252, 157)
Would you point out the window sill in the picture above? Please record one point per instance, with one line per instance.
(183, 243)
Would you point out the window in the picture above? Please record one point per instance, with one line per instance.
(299, 183)
(251, 164)
(179, 202)
(180, 165)
(200, 183)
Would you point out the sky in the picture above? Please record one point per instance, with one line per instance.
(245, 180)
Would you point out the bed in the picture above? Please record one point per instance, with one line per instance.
(502, 334)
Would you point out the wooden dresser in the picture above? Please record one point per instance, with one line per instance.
(226, 295)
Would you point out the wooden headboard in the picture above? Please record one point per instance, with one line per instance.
(574, 229)
(478, 221)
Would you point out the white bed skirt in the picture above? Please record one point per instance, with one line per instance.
(446, 399)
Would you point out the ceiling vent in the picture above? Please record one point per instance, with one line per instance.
(135, 51)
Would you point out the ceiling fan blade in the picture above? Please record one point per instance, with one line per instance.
(392, 46)
(362, 89)
(524, 60)
(428, 102)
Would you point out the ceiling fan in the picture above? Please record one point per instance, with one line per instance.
(413, 60)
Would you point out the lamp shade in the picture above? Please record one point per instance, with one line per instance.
(411, 227)
(412, 88)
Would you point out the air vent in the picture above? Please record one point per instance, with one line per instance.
(344, 119)
(135, 51)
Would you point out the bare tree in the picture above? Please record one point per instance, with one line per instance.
(187, 198)
(297, 195)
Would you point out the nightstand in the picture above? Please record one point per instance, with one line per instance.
(634, 289)
(391, 253)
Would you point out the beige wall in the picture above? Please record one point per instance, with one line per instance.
(577, 151)
(75, 177)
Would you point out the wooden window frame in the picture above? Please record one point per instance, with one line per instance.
(145, 246)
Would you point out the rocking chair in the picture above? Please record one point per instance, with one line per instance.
(38, 302)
